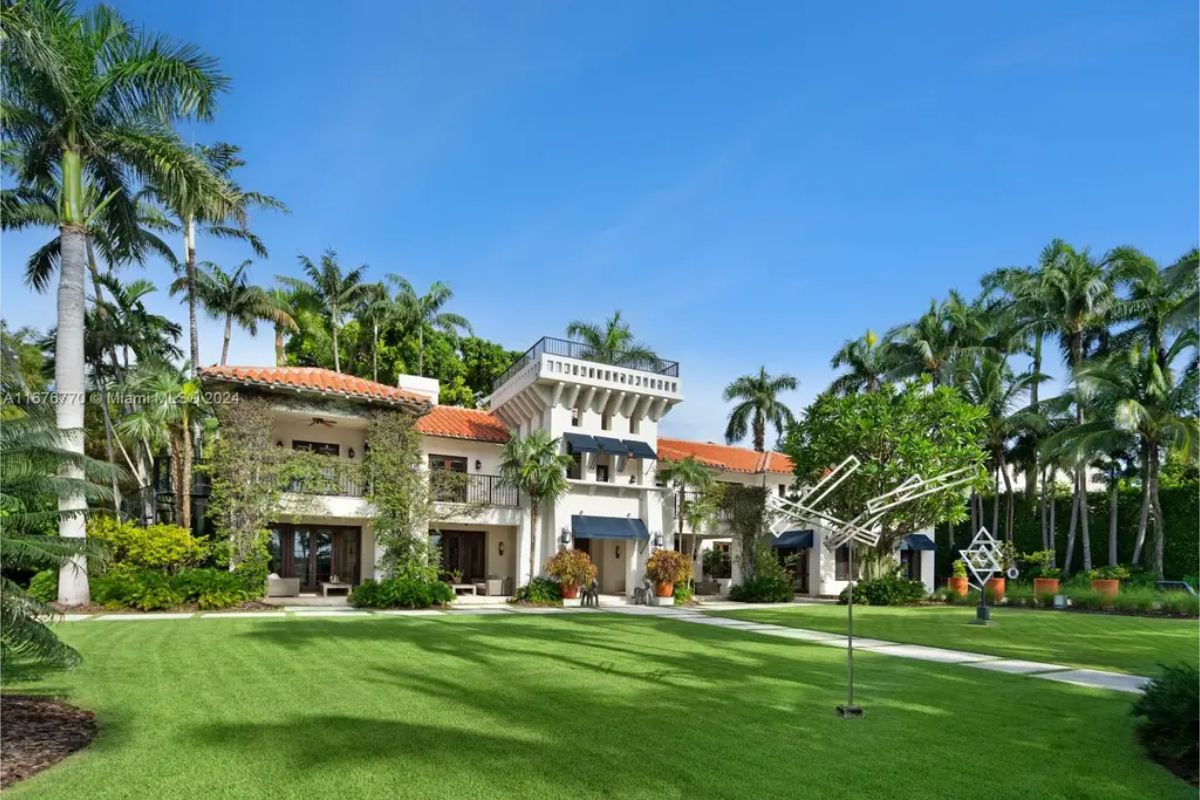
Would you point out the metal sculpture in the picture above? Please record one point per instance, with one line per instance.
(983, 559)
(863, 529)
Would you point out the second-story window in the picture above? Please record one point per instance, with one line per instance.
(602, 473)
(324, 448)
(576, 469)
(448, 463)
(575, 417)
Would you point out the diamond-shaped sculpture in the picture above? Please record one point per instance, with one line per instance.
(982, 557)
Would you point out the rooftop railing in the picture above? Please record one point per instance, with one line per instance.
(585, 352)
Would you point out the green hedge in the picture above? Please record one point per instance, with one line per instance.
(1181, 508)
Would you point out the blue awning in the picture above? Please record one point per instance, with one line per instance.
(581, 443)
(588, 527)
(794, 539)
(917, 541)
(614, 447)
(639, 449)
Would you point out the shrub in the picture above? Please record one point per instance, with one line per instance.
(43, 586)
(668, 566)
(124, 586)
(571, 567)
(1135, 601)
(717, 564)
(1182, 604)
(763, 589)
(210, 588)
(958, 569)
(1019, 596)
(1089, 599)
(888, 590)
(402, 592)
(540, 592)
(167, 547)
(683, 593)
(1118, 572)
(1170, 711)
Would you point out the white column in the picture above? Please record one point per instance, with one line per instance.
(735, 561)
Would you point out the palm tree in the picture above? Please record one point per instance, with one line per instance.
(380, 311)
(1156, 301)
(534, 464)
(280, 305)
(419, 312)
(935, 342)
(222, 214)
(330, 290)
(759, 406)
(869, 362)
(991, 385)
(1148, 409)
(91, 99)
(690, 477)
(170, 403)
(231, 296)
(613, 343)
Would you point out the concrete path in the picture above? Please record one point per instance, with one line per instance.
(1092, 678)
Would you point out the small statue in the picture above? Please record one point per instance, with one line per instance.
(591, 595)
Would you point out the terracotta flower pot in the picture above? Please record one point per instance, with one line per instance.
(959, 586)
(570, 591)
(664, 589)
(1106, 586)
(995, 587)
(1043, 586)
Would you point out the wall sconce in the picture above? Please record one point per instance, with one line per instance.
(617, 551)
(279, 443)
(478, 465)
(565, 537)
(658, 540)
(352, 452)
(501, 547)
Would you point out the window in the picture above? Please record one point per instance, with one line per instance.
(841, 568)
(783, 490)
(910, 564)
(576, 469)
(448, 463)
(324, 448)
(575, 414)
(602, 473)
(605, 421)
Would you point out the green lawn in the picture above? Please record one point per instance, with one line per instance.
(1135, 645)
(571, 706)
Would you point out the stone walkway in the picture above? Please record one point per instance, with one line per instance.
(1092, 678)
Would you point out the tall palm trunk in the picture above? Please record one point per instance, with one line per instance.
(1071, 534)
(228, 336)
(1031, 473)
(995, 503)
(420, 349)
(181, 474)
(1113, 496)
(760, 432)
(69, 388)
(189, 246)
(375, 351)
(1008, 500)
(280, 356)
(533, 532)
(1084, 514)
(1156, 509)
(337, 361)
(1053, 521)
(1144, 517)
(1042, 512)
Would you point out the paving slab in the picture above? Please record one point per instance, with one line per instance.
(408, 612)
(923, 653)
(859, 642)
(147, 615)
(466, 612)
(73, 617)
(804, 635)
(1098, 679)
(1017, 666)
(247, 614)
(538, 610)
(329, 612)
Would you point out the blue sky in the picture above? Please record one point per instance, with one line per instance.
(749, 183)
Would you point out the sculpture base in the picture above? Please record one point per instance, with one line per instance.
(983, 615)
(850, 712)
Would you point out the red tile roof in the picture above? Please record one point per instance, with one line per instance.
(724, 457)
(453, 422)
(314, 379)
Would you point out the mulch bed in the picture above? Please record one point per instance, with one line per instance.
(38, 732)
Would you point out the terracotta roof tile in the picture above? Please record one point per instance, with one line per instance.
(453, 422)
(724, 457)
(314, 379)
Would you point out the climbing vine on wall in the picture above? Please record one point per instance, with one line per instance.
(746, 509)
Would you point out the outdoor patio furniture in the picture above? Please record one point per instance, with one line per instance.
(326, 586)
(283, 587)
(463, 588)
(493, 586)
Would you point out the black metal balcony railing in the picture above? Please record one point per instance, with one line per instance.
(341, 480)
(682, 499)
(485, 489)
(584, 352)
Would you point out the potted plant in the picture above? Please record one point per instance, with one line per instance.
(996, 586)
(958, 579)
(1047, 582)
(1107, 580)
(666, 568)
(571, 568)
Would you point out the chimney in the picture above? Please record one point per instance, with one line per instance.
(426, 387)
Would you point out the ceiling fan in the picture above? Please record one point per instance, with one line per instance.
(321, 421)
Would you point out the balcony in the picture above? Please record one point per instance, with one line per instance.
(548, 345)
(683, 498)
(342, 479)
(486, 490)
